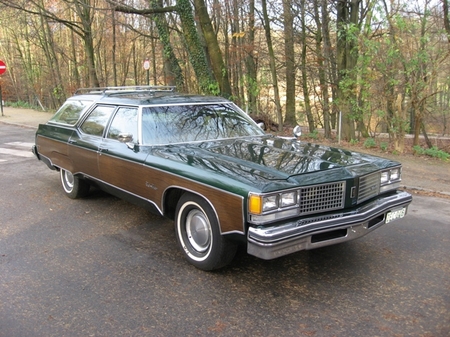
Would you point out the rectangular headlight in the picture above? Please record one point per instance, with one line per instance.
(390, 176)
(270, 203)
(288, 199)
(384, 177)
(395, 174)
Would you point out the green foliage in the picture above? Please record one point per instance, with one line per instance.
(354, 141)
(314, 134)
(384, 146)
(433, 152)
(195, 48)
(213, 88)
(369, 143)
(21, 104)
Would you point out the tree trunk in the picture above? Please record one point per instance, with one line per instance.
(250, 62)
(309, 116)
(218, 66)
(322, 65)
(446, 19)
(84, 11)
(48, 46)
(347, 53)
(289, 117)
(172, 69)
(114, 46)
(273, 70)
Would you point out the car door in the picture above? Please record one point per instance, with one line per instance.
(120, 157)
(85, 143)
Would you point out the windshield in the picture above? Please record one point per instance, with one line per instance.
(193, 123)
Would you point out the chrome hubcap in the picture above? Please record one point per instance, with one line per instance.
(68, 178)
(198, 231)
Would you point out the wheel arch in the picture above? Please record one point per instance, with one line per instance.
(173, 194)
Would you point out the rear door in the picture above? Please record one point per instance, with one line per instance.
(85, 143)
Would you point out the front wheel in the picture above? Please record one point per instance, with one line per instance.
(198, 234)
(74, 186)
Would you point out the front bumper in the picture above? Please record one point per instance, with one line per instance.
(323, 230)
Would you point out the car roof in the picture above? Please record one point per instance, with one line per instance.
(143, 95)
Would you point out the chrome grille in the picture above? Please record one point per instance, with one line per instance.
(322, 198)
(369, 186)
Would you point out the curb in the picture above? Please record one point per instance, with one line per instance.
(21, 125)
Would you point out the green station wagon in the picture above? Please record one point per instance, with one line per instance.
(202, 162)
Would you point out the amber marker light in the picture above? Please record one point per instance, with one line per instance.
(255, 204)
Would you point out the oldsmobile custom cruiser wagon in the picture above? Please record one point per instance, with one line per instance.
(202, 162)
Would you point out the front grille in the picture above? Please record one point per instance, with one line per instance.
(322, 198)
(369, 186)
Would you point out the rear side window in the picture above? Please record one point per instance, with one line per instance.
(70, 112)
(96, 122)
(124, 126)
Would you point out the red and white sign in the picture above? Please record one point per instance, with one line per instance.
(2, 67)
(146, 64)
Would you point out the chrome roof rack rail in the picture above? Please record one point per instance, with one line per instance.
(125, 89)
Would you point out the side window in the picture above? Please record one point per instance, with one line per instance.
(124, 126)
(70, 112)
(96, 122)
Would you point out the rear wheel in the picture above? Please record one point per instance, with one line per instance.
(198, 234)
(74, 186)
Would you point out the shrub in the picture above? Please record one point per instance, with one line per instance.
(433, 152)
(369, 142)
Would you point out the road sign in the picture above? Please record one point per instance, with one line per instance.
(146, 64)
(2, 67)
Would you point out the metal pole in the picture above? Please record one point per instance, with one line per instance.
(1, 100)
(340, 127)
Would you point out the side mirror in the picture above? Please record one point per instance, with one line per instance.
(132, 146)
(125, 137)
(297, 131)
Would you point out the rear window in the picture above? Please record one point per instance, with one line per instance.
(70, 112)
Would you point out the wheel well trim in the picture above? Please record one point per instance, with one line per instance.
(187, 190)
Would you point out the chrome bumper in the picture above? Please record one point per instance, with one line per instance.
(323, 230)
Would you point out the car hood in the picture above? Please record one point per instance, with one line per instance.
(271, 162)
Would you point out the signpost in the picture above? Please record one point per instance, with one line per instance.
(147, 69)
(2, 71)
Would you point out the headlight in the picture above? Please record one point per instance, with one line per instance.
(390, 179)
(270, 203)
(384, 177)
(258, 204)
(395, 174)
(288, 199)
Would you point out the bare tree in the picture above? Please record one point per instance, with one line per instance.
(288, 15)
(266, 24)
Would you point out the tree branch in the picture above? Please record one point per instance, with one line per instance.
(130, 10)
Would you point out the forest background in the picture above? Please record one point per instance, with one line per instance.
(363, 67)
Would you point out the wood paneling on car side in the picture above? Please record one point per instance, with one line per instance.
(55, 150)
(152, 184)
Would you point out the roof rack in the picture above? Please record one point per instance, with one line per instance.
(125, 89)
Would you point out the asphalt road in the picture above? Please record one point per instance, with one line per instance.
(103, 267)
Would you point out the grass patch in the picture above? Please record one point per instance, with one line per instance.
(433, 152)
